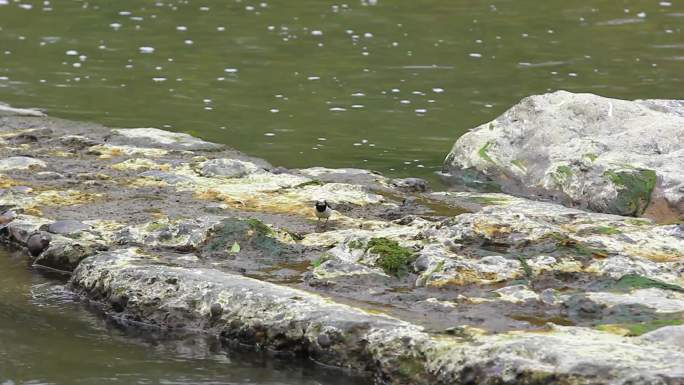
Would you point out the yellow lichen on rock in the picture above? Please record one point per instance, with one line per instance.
(106, 151)
(140, 164)
(64, 198)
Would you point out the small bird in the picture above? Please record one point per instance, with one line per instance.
(323, 211)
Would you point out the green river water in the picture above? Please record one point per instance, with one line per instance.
(378, 84)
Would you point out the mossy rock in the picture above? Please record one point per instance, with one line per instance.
(638, 328)
(562, 175)
(633, 281)
(392, 258)
(634, 189)
(249, 234)
(482, 152)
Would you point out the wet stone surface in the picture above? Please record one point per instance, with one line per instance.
(402, 284)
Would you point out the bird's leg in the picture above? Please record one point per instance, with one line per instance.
(326, 222)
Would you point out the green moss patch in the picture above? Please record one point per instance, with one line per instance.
(634, 190)
(355, 244)
(639, 328)
(487, 201)
(590, 156)
(605, 230)
(314, 182)
(519, 164)
(567, 243)
(483, 152)
(249, 234)
(633, 281)
(320, 260)
(562, 174)
(392, 258)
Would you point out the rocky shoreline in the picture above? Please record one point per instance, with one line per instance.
(404, 285)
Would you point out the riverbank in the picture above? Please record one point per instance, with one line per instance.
(403, 284)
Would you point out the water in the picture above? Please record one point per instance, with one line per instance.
(386, 85)
(48, 337)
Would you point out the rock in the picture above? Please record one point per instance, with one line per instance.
(324, 341)
(668, 335)
(167, 177)
(517, 293)
(411, 184)
(156, 138)
(21, 163)
(586, 151)
(216, 310)
(227, 168)
(6, 110)
(77, 141)
(38, 242)
(261, 313)
(202, 246)
(68, 226)
(48, 175)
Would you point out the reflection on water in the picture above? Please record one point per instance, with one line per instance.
(381, 84)
(46, 337)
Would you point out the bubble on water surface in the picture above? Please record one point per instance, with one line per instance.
(316, 33)
(181, 28)
(475, 55)
(269, 134)
(230, 70)
(71, 52)
(26, 6)
(189, 42)
(146, 49)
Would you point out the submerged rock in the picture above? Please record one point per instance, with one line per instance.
(605, 155)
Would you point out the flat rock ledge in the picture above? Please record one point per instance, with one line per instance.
(582, 150)
(403, 285)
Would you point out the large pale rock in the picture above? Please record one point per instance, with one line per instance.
(587, 151)
(156, 138)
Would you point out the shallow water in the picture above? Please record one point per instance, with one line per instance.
(48, 337)
(386, 85)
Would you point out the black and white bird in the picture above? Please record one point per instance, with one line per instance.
(323, 211)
